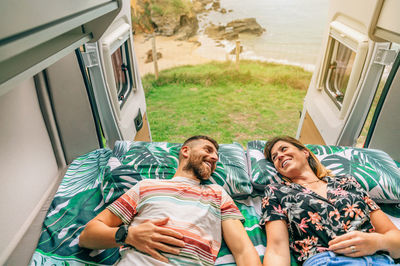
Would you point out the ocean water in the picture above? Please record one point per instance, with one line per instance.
(294, 29)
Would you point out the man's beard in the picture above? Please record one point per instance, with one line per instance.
(195, 164)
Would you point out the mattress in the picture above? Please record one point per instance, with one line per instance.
(96, 179)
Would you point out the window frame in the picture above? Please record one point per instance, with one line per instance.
(125, 91)
(333, 52)
(356, 42)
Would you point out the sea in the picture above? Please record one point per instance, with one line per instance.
(294, 29)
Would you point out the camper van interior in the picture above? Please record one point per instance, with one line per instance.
(75, 134)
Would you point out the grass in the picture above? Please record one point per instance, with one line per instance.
(258, 101)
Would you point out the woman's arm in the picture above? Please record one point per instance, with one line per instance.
(277, 252)
(357, 244)
(391, 234)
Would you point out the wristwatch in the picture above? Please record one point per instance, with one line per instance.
(121, 234)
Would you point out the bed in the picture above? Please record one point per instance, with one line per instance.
(96, 179)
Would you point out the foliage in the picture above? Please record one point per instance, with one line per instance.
(145, 9)
(257, 101)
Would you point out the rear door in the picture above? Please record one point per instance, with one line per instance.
(347, 75)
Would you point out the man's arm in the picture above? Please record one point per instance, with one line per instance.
(239, 243)
(147, 237)
(277, 251)
(99, 233)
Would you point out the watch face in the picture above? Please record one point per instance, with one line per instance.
(121, 234)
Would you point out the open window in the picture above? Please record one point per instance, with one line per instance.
(338, 72)
(118, 64)
(122, 73)
(346, 53)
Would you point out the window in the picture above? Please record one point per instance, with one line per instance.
(122, 73)
(344, 60)
(338, 72)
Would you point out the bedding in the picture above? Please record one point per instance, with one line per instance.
(160, 160)
(96, 179)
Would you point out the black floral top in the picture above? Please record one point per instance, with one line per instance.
(314, 220)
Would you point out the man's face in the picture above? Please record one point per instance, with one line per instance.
(203, 157)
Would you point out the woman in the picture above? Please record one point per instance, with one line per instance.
(319, 217)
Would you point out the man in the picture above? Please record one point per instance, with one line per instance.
(177, 221)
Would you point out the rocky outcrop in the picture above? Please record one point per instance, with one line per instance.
(201, 5)
(232, 30)
(182, 25)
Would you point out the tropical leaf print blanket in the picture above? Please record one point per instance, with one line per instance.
(96, 179)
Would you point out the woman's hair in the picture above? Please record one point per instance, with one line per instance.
(316, 166)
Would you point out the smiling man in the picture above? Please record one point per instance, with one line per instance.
(178, 221)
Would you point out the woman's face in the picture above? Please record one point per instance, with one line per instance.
(289, 160)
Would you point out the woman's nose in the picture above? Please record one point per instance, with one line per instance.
(279, 155)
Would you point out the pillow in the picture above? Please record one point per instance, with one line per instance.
(134, 161)
(373, 169)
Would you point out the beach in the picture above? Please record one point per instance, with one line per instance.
(175, 53)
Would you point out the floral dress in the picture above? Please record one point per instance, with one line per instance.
(314, 220)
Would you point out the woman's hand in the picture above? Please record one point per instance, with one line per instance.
(356, 244)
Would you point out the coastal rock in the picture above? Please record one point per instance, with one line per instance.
(232, 30)
(149, 56)
(216, 5)
(247, 25)
(182, 25)
(198, 7)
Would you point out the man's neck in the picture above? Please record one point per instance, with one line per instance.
(187, 174)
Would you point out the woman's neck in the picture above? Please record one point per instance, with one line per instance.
(305, 177)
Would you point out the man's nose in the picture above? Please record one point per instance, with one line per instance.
(214, 156)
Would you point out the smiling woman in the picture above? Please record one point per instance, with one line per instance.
(326, 217)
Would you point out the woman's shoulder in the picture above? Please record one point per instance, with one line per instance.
(274, 188)
(346, 182)
(276, 185)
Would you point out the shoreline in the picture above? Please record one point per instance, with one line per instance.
(175, 52)
(197, 50)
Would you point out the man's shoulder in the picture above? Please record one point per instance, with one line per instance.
(153, 181)
(214, 186)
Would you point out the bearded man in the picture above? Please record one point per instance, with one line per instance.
(174, 222)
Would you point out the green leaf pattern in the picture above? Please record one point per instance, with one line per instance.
(98, 178)
(373, 169)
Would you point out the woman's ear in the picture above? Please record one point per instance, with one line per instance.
(307, 153)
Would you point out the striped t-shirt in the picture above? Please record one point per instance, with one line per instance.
(195, 210)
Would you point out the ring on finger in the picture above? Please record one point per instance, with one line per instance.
(353, 249)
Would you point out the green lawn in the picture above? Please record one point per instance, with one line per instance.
(258, 101)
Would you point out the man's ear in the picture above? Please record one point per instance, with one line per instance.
(185, 150)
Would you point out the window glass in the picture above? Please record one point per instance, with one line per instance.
(339, 70)
(122, 73)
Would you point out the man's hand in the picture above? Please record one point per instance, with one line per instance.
(149, 237)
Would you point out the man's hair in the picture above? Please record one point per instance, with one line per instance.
(316, 166)
(198, 137)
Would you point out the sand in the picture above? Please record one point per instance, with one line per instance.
(177, 53)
